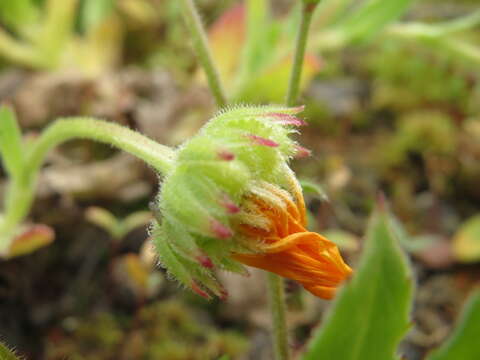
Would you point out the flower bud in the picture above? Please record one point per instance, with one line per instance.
(217, 202)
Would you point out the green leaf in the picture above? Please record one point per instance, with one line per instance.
(463, 344)
(10, 141)
(6, 353)
(371, 314)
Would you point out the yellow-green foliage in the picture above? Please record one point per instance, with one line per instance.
(408, 75)
(423, 132)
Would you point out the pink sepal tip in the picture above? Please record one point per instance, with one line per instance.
(286, 119)
(297, 109)
(199, 291)
(220, 230)
(229, 205)
(205, 261)
(302, 152)
(225, 155)
(258, 140)
(223, 294)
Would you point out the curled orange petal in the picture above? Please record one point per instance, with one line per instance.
(291, 251)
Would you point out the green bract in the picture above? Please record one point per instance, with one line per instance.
(202, 194)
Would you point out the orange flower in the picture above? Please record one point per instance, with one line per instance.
(283, 246)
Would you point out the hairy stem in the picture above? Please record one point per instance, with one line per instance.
(300, 46)
(200, 43)
(275, 283)
(276, 293)
(156, 155)
(21, 190)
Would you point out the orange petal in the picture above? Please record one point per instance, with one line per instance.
(306, 257)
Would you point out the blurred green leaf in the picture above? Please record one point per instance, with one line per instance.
(466, 241)
(16, 13)
(343, 239)
(310, 187)
(6, 353)
(117, 228)
(94, 11)
(367, 20)
(10, 141)
(103, 219)
(57, 29)
(257, 29)
(135, 220)
(411, 244)
(370, 315)
(463, 344)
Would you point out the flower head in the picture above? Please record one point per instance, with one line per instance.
(231, 199)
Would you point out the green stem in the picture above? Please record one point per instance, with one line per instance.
(156, 155)
(278, 310)
(275, 283)
(200, 43)
(301, 44)
(21, 190)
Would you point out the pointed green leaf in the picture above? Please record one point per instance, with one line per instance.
(10, 141)
(463, 344)
(6, 353)
(370, 315)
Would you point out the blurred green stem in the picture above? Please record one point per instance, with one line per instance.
(21, 189)
(278, 310)
(200, 43)
(441, 36)
(275, 283)
(300, 46)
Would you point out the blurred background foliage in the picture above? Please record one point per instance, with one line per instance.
(392, 96)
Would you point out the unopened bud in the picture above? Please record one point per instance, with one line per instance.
(203, 195)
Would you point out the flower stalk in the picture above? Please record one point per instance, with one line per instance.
(200, 43)
(276, 286)
(278, 310)
(307, 11)
(21, 190)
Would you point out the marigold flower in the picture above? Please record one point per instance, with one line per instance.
(276, 224)
(231, 199)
